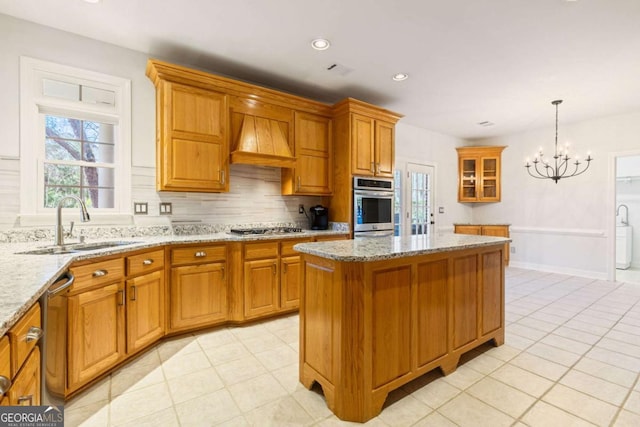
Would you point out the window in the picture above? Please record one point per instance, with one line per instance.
(75, 140)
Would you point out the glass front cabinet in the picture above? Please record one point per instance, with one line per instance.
(479, 174)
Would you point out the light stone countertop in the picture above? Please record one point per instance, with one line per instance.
(25, 278)
(365, 249)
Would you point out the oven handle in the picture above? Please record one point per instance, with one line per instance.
(57, 289)
(378, 194)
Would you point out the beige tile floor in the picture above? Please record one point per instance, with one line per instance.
(571, 358)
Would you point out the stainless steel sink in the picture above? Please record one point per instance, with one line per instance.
(75, 248)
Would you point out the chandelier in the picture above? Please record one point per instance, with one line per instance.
(562, 166)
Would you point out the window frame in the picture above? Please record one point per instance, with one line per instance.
(33, 108)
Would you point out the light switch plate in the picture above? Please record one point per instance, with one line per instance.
(140, 208)
(441, 209)
(165, 208)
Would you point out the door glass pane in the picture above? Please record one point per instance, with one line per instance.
(420, 203)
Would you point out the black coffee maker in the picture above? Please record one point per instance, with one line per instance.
(319, 217)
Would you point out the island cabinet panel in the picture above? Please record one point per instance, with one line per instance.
(465, 300)
(391, 324)
(432, 311)
(492, 293)
(369, 327)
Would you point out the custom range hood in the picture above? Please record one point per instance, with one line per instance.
(261, 141)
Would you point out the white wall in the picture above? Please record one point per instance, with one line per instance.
(564, 227)
(255, 191)
(417, 145)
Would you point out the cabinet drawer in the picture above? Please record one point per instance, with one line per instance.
(286, 248)
(260, 250)
(97, 273)
(198, 254)
(5, 362)
(144, 262)
(24, 336)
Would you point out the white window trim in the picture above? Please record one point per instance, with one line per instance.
(33, 103)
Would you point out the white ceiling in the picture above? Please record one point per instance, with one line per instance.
(469, 61)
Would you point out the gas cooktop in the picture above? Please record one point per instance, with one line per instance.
(272, 230)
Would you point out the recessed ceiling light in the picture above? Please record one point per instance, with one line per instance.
(320, 44)
(93, 1)
(400, 77)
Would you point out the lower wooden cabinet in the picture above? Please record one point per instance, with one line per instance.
(96, 332)
(198, 287)
(290, 282)
(486, 230)
(145, 310)
(261, 287)
(25, 390)
(20, 361)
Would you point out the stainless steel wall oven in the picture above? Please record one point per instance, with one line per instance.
(372, 206)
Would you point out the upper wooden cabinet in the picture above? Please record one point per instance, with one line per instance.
(364, 141)
(192, 147)
(479, 174)
(373, 146)
(313, 170)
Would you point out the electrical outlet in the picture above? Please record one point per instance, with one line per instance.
(441, 209)
(165, 208)
(300, 209)
(513, 249)
(140, 208)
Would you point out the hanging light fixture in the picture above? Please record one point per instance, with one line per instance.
(562, 166)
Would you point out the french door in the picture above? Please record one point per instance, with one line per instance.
(414, 200)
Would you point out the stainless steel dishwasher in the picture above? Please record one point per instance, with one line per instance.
(54, 342)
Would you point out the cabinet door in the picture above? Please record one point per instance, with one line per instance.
(193, 152)
(500, 231)
(145, 310)
(468, 179)
(313, 173)
(260, 287)
(25, 390)
(362, 145)
(490, 179)
(384, 149)
(96, 333)
(198, 295)
(290, 282)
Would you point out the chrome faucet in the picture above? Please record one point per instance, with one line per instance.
(84, 217)
(624, 221)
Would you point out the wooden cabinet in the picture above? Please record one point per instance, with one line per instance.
(313, 171)
(96, 332)
(372, 146)
(145, 290)
(479, 174)
(198, 288)
(192, 147)
(498, 230)
(20, 361)
(261, 278)
(364, 141)
(395, 321)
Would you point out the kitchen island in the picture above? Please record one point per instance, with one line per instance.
(376, 313)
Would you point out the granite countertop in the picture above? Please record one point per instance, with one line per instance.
(26, 277)
(364, 249)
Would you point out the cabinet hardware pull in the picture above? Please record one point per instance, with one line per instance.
(23, 399)
(121, 297)
(274, 268)
(222, 177)
(5, 383)
(223, 272)
(34, 334)
(133, 293)
(377, 168)
(100, 273)
(147, 262)
(373, 170)
(298, 183)
(200, 254)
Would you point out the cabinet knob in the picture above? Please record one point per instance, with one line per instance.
(200, 254)
(147, 262)
(100, 273)
(5, 383)
(34, 334)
